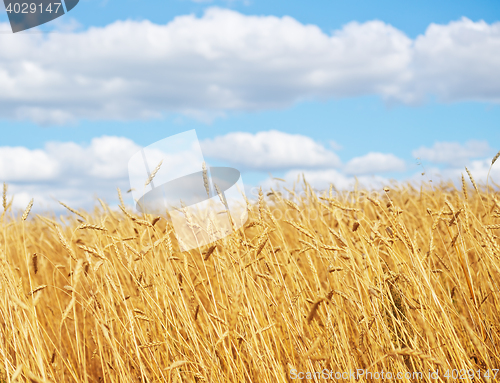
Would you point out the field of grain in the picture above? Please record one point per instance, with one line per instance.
(403, 281)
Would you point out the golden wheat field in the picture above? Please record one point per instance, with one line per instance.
(317, 286)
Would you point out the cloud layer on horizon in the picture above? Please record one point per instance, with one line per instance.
(75, 174)
(226, 61)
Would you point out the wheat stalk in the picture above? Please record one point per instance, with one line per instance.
(279, 284)
(35, 379)
(262, 242)
(120, 197)
(472, 179)
(205, 178)
(415, 354)
(90, 226)
(4, 201)
(64, 243)
(464, 187)
(27, 211)
(37, 289)
(313, 310)
(496, 226)
(34, 261)
(93, 251)
(127, 213)
(292, 204)
(153, 174)
(219, 193)
(495, 158)
(73, 211)
(16, 374)
(260, 205)
(68, 309)
(300, 228)
(489, 170)
(209, 252)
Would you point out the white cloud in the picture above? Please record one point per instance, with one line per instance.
(19, 164)
(105, 158)
(76, 173)
(478, 168)
(67, 171)
(375, 163)
(226, 61)
(453, 153)
(458, 61)
(271, 150)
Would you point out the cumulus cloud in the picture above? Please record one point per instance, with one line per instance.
(76, 173)
(67, 171)
(20, 163)
(375, 163)
(458, 61)
(227, 61)
(478, 168)
(271, 150)
(453, 153)
(105, 157)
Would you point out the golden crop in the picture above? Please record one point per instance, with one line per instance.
(405, 280)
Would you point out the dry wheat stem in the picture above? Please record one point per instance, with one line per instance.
(64, 243)
(153, 174)
(416, 354)
(93, 227)
(120, 197)
(27, 211)
(39, 288)
(414, 286)
(4, 201)
(472, 179)
(73, 211)
(205, 178)
(495, 158)
(464, 187)
(34, 261)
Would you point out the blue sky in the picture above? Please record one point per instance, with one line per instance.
(355, 88)
(412, 17)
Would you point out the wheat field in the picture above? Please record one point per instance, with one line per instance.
(404, 280)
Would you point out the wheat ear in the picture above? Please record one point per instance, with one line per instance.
(472, 179)
(153, 174)
(28, 209)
